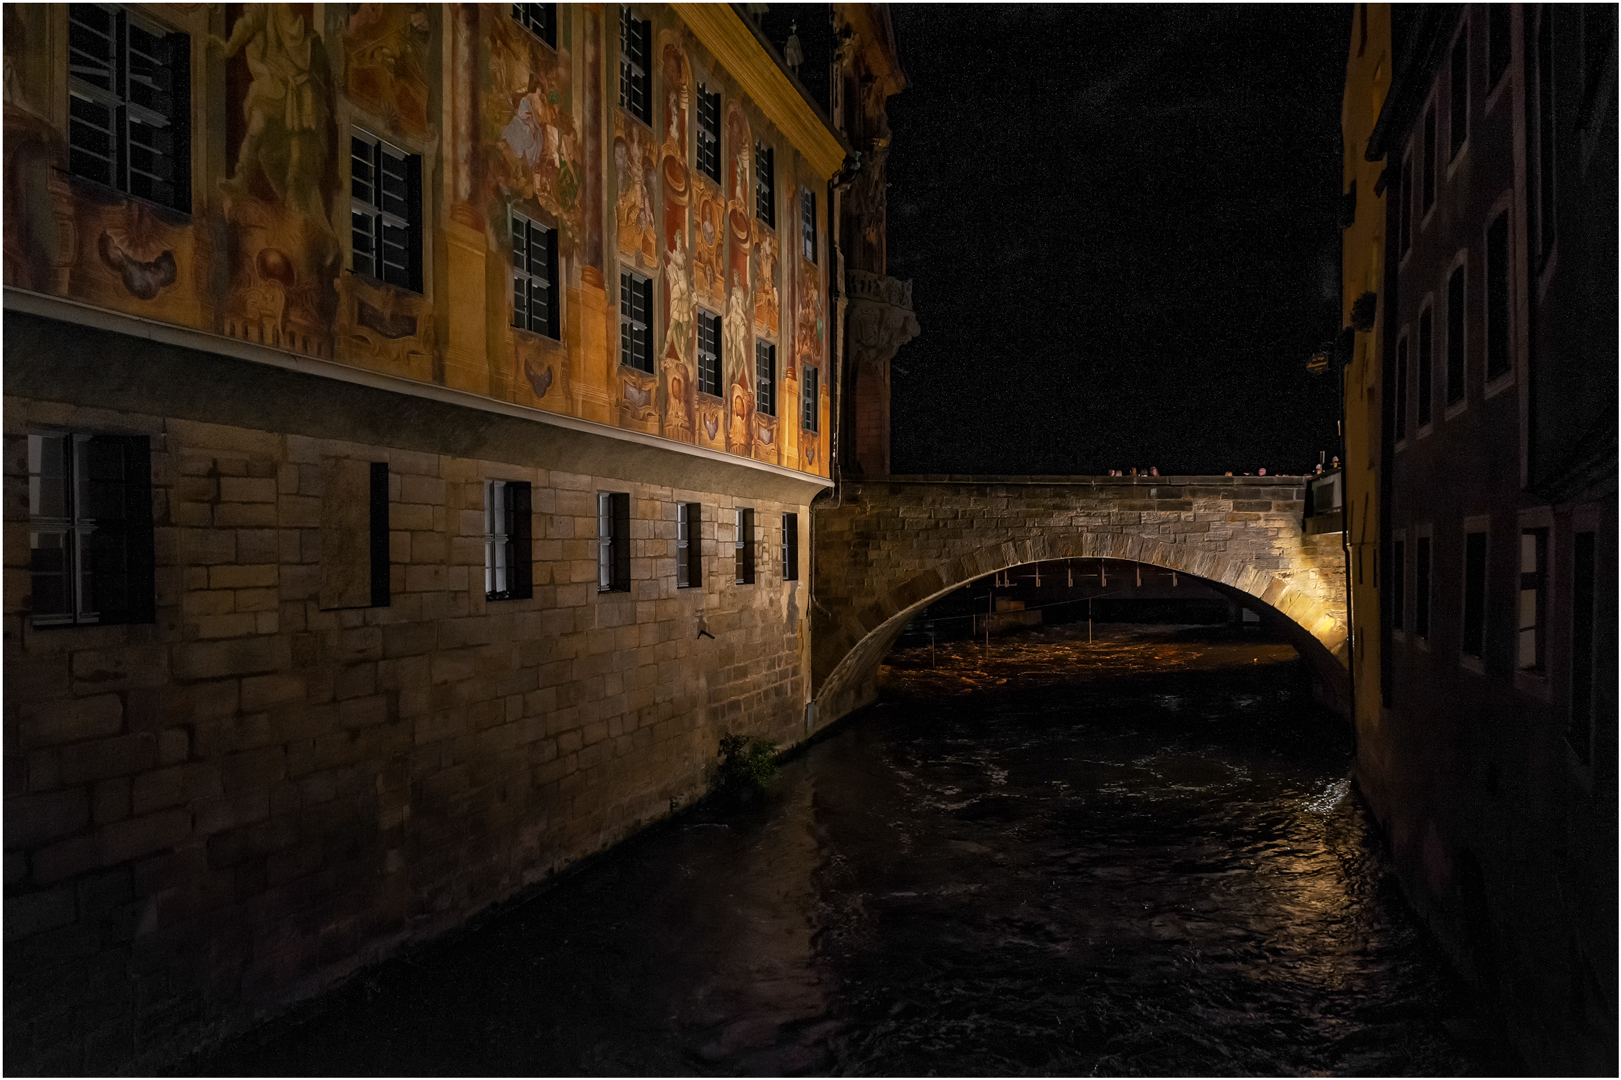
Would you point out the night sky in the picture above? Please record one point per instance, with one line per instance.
(1121, 225)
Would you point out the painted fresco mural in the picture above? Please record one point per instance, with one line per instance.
(499, 126)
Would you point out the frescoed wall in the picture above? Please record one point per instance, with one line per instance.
(500, 122)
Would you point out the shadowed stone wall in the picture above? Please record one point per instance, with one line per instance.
(885, 549)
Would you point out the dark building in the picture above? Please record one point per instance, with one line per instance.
(1492, 760)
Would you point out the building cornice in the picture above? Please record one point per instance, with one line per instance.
(71, 311)
(734, 46)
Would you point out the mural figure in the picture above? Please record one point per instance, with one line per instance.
(528, 127)
(284, 252)
(633, 212)
(808, 333)
(680, 301)
(706, 247)
(766, 299)
(285, 109)
(385, 51)
(738, 355)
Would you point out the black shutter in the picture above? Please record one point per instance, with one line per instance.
(379, 534)
(553, 293)
(413, 189)
(621, 540)
(180, 117)
(118, 496)
(520, 545)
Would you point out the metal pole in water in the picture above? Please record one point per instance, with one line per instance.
(1089, 620)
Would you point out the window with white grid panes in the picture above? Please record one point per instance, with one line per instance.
(129, 104)
(809, 404)
(765, 185)
(635, 45)
(807, 223)
(709, 339)
(636, 321)
(385, 209)
(765, 377)
(534, 277)
(538, 19)
(708, 132)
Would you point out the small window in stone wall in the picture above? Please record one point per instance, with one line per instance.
(90, 529)
(613, 541)
(743, 545)
(508, 550)
(790, 547)
(689, 546)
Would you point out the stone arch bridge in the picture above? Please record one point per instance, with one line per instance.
(885, 549)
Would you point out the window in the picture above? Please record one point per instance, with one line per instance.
(538, 19)
(1429, 159)
(1498, 32)
(613, 541)
(765, 377)
(1533, 598)
(1398, 585)
(1459, 128)
(790, 547)
(385, 210)
(1404, 225)
(1456, 339)
(129, 104)
(379, 534)
(534, 277)
(508, 550)
(744, 547)
(635, 46)
(1583, 636)
(689, 546)
(1474, 593)
(709, 132)
(635, 321)
(765, 186)
(1421, 587)
(1497, 298)
(807, 223)
(1426, 342)
(810, 399)
(709, 338)
(90, 529)
(1400, 418)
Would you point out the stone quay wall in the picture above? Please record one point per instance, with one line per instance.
(885, 549)
(233, 807)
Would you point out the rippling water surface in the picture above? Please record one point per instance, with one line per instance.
(1140, 856)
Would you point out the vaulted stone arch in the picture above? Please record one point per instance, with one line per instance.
(885, 550)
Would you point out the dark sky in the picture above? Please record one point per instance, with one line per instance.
(1121, 225)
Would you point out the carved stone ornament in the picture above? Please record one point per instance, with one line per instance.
(880, 319)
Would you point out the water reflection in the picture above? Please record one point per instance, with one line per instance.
(1141, 857)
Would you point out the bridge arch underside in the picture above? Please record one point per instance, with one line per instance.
(847, 656)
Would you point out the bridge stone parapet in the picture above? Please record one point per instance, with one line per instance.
(886, 549)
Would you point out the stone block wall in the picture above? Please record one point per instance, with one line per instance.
(236, 805)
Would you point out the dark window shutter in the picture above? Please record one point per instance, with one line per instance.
(118, 496)
(520, 545)
(413, 178)
(553, 323)
(621, 540)
(379, 534)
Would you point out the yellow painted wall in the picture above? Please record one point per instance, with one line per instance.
(502, 123)
(1367, 80)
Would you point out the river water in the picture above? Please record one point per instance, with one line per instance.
(1136, 856)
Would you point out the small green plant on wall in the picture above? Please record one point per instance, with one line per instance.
(746, 766)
